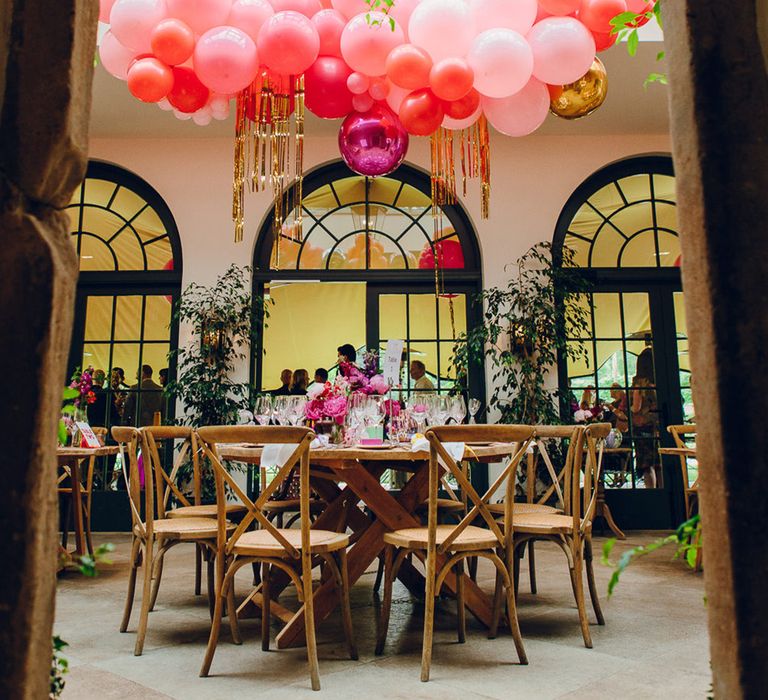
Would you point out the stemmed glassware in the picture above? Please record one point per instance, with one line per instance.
(283, 409)
(437, 409)
(417, 407)
(263, 409)
(296, 409)
(474, 407)
(457, 408)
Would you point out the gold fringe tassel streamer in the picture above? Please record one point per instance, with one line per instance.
(262, 157)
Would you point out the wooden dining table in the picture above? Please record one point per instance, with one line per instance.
(71, 458)
(345, 477)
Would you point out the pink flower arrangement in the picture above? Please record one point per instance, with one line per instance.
(365, 379)
(390, 408)
(329, 403)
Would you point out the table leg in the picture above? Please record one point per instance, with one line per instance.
(603, 509)
(77, 506)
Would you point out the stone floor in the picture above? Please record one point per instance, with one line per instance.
(654, 645)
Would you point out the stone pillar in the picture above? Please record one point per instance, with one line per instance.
(719, 118)
(46, 68)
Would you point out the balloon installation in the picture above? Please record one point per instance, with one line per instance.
(439, 68)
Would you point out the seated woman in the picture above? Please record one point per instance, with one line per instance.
(347, 354)
(299, 382)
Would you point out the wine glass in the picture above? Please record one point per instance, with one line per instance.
(263, 409)
(457, 408)
(474, 407)
(282, 409)
(418, 410)
(297, 405)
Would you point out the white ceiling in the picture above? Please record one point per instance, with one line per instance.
(630, 108)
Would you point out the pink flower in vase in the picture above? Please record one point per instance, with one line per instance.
(314, 409)
(336, 408)
(378, 384)
(390, 408)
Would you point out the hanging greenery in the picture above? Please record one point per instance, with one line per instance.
(526, 326)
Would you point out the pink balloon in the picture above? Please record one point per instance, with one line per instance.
(288, 43)
(563, 50)
(250, 15)
(490, 14)
(379, 89)
(201, 15)
(596, 15)
(559, 7)
(325, 88)
(219, 105)
(203, 116)
(105, 7)
(358, 84)
(149, 79)
(451, 79)
(374, 142)
(443, 28)
(114, 56)
(362, 103)
(165, 105)
(350, 8)
(225, 59)
(308, 8)
(132, 22)
(365, 45)
(456, 124)
(502, 61)
(519, 114)
(330, 24)
(395, 96)
(401, 12)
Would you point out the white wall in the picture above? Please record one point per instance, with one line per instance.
(531, 178)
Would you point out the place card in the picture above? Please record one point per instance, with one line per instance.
(87, 436)
(390, 365)
(372, 435)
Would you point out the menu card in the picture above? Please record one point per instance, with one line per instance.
(391, 362)
(87, 436)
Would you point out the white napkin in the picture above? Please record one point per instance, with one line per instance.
(455, 449)
(276, 455)
(320, 442)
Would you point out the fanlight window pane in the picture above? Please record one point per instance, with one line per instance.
(95, 254)
(640, 251)
(337, 216)
(99, 192)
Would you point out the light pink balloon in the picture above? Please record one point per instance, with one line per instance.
(105, 7)
(365, 45)
(225, 59)
(288, 43)
(563, 50)
(518, 14)
(450, 123)
(330, 24)
(201, 15)
(401, 11)
(165, 105)
(350, 8)
(379, 89)
(358, 83)
(559, 7)
(443, 28)
(203, 116)
(219, 105)
(362, 103)
(182, 116)
(132, 22)
(519, 114)
(396, 96)
(502, 61)
(114, 56)
(308, 8)
(250, 15)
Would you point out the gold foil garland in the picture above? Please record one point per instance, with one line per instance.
(262, 157)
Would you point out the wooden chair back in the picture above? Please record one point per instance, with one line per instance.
(520, 436)
(544, 435)
(142, 501)
(590, 456)
(679, 434)
(211, 436)
(165, 481)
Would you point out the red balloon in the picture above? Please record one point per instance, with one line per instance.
(596, 15)
(464, 107)
(188, 93)
(173, 41)
(325, 88)
(604, 41)
(639, 7)
(449, 255)
(555, 92)
(408, 66)
(149, 80)
(421, 113)
(451, 78)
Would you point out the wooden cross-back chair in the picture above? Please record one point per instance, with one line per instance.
(451, 544)
(149, 529)
(289, 550)
(679, 434)
(86, 495)
(572, 529)
(168, 493)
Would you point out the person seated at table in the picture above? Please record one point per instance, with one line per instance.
(422, 383)
(299, 382)
(645, 420)
(321, 375)
(587, 399)
(149, 403)
(285, 381)
(97, 411)
(347, 353)
(619, 406)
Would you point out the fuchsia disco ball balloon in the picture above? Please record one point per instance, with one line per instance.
(374, 142)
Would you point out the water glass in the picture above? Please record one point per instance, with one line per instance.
(474, 407)
(262, 410)
(457, 408)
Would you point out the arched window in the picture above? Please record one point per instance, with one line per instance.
(364, 273)
(130, 273)
(621, 224)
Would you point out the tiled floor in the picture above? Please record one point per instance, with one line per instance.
(654, 645)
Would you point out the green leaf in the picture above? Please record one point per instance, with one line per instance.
(655, 78)
(660, 55)
(632, 42)
(621, 20)
(62, 433)
(392, 24)
(69, 393)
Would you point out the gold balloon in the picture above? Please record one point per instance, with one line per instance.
(582, 97)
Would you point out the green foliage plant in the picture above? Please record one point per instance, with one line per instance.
(625, 26)
(383, 6)
(525, 327)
